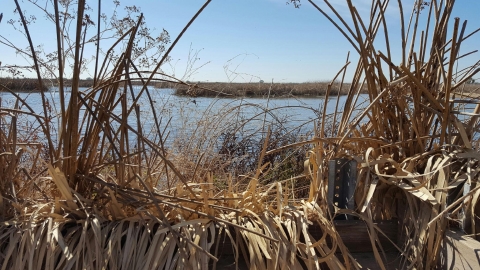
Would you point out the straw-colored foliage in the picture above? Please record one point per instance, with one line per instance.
(310, 89)
(103, 194)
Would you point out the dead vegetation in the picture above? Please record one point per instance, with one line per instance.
(274, 90)
(22, 85)
(309, 89)
(88, 199)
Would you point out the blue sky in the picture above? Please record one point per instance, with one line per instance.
(248, 40)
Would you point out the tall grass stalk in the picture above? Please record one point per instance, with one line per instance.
(108, 195)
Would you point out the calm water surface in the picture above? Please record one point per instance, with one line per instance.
(179, 114)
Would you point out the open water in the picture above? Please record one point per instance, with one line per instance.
(184, 115)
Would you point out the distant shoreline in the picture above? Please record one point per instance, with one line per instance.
(22, 85)
(216, 89)
(31, 84)
(279, 90)
(309, 89)
(201, 89)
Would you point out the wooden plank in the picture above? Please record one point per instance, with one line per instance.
(460, 251)
(354, 234)
(367, 260)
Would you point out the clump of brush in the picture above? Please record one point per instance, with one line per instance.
(106, 193)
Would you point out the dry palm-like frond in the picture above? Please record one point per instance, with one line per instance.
(266, 234)
(419, 137)
(95, 203)
(111, 196)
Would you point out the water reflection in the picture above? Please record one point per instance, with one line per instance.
(183, 116)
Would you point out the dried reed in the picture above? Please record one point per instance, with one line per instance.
(313, 89)
(103, 194)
